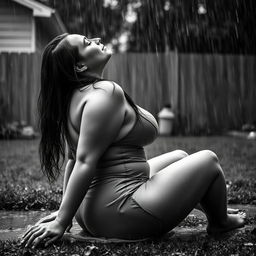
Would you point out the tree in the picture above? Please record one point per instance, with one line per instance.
(225, 26)
(213, 26)
(92, 18)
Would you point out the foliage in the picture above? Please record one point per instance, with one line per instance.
(157, 26)
(16, 130)
(24, 198)
(90, 18)
(242, 191)
(9, 130)
(226, 27)
(238, 244)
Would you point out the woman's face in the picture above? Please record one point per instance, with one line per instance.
(92, 53)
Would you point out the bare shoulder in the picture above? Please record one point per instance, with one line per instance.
(97, 91)
(103, 94)
(106, 97)
(108, 88)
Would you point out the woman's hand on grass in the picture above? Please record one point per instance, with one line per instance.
(49, 232)
(52, 217)
(48, 218)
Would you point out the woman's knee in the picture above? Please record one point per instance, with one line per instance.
(212, 161)
(210, 156)
(180, 153)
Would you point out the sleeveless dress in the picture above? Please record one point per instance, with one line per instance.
(109, 209)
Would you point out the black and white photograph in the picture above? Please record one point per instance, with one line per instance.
(127, 127)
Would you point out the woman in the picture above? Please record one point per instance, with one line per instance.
(109, 186)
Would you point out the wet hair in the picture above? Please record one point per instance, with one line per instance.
(58, 81)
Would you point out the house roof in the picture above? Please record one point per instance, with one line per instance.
(43, 11)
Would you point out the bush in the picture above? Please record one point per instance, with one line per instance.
(16, 130)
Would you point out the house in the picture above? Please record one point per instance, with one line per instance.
(27, 25)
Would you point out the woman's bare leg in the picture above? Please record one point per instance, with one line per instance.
(175, 190)
(159, 162)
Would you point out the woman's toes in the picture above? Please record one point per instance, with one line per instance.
(242, 214)
(232, 211)
(236, 220)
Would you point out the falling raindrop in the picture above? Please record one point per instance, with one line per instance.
(110, 3)
(123, 38)
(198, 26)
(131, 15)
(167, 6)
(201, 9)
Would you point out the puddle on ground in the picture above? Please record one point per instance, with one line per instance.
(14, 223)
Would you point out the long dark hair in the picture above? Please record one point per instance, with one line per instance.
(58, 80)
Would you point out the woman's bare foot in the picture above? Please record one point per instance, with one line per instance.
(232, 211)
(233, 221)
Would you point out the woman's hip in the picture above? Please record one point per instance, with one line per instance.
(129, 221)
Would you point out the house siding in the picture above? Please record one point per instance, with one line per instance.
(17, 28)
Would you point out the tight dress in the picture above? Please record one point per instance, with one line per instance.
(109, 209)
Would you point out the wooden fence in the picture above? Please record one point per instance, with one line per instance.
(209, 93)
(19, 86)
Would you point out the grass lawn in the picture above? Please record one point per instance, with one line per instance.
(23, 187)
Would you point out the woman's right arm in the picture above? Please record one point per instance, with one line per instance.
(101, 121)
(68, 169)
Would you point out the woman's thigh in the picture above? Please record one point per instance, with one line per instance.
(160, 162)
(176, 189)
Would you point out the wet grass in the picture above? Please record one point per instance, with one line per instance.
(238, 244)
(22, 186)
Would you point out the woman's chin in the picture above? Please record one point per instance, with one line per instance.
(108, 51)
